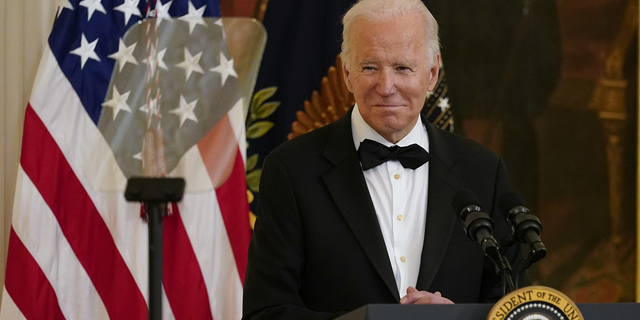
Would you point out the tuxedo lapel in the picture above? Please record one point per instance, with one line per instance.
(349, 190)
(443, 183)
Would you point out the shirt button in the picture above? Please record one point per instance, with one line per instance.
(403, 259)
(400, 217)
(396, 176)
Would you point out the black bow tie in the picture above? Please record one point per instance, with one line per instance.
(372, 154)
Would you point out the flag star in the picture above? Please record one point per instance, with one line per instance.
(156, 59)
(185, 110)
(92, 6)
(443, 104)
(86, 51)
(191, 63)
(118, 102)
(151, 106)
(429, 94)
(194, 17)
(63, 4)
(219, 23)
(162, 10)
(129, 8)
(124, 54)
(225, 69)
(138, 156)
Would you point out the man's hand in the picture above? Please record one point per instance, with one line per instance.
(423, 297)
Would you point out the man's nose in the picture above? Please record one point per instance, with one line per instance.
(386, 83)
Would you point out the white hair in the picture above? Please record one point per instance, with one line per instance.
(387, 10)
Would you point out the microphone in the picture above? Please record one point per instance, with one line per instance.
(479, 227)
(525, 226)
(477, 224)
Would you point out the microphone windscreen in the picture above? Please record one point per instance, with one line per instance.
(464, 198)
(509, 201)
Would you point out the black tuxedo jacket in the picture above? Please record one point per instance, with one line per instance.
(317, 250)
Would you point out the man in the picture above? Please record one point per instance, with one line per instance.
(336, 231)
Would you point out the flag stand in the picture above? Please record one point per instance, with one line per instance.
(155, 193)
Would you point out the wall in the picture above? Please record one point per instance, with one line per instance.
(24, 28)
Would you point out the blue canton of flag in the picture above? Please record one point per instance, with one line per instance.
(86, 35)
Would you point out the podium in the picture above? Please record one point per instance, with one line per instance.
(590, 311)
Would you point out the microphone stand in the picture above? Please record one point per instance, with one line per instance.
(503, 268)
(155, 193)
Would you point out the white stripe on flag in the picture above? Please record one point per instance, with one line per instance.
(194, 172)
(237, 119)
(9, 309)
(41, 235)
(167, 313)
(206, 230)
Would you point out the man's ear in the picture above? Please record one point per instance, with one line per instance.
(433, 73)
(345, 76)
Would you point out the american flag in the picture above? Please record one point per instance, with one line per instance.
(77, 249)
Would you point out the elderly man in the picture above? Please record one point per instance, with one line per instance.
(359, 211)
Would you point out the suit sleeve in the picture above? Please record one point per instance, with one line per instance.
(492, 290)
(276, 252)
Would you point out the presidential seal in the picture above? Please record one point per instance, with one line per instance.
(535, 303)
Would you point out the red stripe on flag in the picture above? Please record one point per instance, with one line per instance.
(181, 273)
(27, 285)
(80, 221)
(232, 198)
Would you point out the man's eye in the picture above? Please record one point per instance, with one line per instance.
(403, 68)
(367, 69)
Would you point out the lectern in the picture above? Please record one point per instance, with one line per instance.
(590, 311)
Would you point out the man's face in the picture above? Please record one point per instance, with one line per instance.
(390, 73)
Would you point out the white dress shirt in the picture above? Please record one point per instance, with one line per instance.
(399, 197)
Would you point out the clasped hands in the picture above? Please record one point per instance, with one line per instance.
(423, 297)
